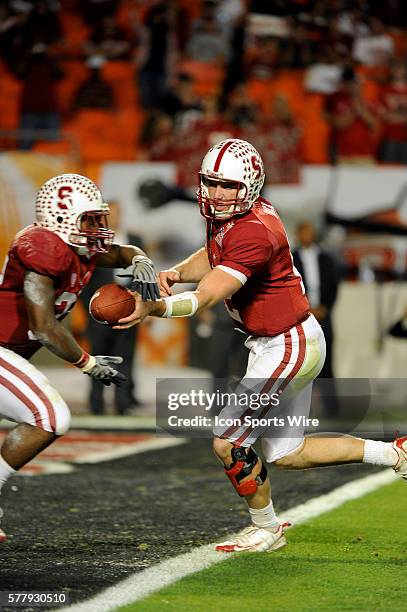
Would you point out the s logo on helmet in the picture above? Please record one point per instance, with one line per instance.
(64, 197)
(256, 166)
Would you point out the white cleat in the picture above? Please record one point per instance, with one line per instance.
(254, 539)
(400, 446)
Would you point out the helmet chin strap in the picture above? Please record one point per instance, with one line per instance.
(222, 214)
(82, 251)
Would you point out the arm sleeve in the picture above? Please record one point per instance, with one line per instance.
(247, 252)
(44, 253)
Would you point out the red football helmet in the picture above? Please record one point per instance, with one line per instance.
(231, 162)
(72, 206)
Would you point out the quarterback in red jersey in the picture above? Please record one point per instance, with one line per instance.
(47, 266)
(247, 262)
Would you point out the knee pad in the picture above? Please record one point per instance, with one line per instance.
(242, 466)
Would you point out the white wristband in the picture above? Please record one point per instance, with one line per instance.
(89, 364)
(181, 305)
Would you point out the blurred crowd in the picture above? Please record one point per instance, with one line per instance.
(305, 81)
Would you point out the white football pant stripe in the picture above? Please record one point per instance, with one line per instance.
(26, 396)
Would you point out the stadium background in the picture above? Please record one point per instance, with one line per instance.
(167, 80)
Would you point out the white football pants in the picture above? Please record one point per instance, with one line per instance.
(26, 396)
(281, 367)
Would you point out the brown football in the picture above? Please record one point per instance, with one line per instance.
(110, 303)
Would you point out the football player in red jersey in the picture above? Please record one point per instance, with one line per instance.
(46, 268)
(247, 262)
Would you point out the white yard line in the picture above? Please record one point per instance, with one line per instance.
(141, 584)
(130, 449)
(59, 466)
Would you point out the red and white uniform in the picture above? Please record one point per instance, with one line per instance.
(38, 250)
(287, 346)
(254, 248)
(25, 393)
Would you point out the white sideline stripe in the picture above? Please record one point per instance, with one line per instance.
(351, 490)
(152, 579)
(130, 449)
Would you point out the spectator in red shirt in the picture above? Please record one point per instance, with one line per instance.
(394, 115)
(157, 137)
(354, 122)
(192, 141)
(278, 138)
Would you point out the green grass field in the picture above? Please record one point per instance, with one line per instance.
(353, 558)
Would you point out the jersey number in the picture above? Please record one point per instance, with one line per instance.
(66, 301)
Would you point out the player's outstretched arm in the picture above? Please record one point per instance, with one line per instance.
(119, 256)
(216, 286)
(191, 270)
(142, 272)
(39, 293)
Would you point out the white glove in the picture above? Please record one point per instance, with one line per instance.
(99, 367)
(144, 278)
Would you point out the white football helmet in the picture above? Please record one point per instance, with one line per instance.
(67, 200)
(230, 161)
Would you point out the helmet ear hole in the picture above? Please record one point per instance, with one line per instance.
(60, 219)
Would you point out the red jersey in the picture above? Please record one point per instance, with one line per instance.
(255, 248)
(358, 139)
(38, 250)
(394, 101)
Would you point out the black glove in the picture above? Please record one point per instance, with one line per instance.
(99, 367)
(144, 278)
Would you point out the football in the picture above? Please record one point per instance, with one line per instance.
(110, 303)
